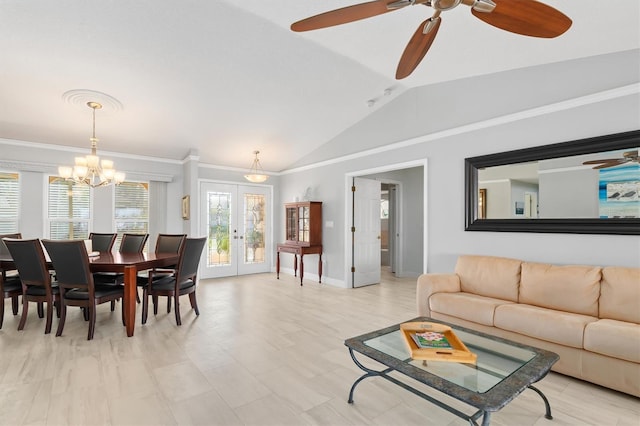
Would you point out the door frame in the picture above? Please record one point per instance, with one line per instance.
(348, 179)
(269, 243)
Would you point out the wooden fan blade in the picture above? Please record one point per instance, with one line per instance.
(606, 160)
(611, 164)
(526, 17)
(416, 49)
(343, 15)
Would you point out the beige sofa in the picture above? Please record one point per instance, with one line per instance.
(589, 315)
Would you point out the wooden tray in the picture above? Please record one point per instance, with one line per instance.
(457, 353)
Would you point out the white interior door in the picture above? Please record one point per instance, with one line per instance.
(234, 217)
(366, 238)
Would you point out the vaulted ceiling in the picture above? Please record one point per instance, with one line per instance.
(226, 77)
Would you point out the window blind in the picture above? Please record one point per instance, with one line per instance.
(9, 202)
(69, 209)
(131, 213)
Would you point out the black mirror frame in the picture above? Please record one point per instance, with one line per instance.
(630, 226)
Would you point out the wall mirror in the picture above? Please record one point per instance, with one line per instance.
(549, 188)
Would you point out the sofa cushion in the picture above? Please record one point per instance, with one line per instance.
(470, 307)
(489, 276)
(618, 339)
(568, 288)
(620, 294)
(547, 324)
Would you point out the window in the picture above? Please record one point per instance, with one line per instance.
(131, 209)
(69, 209)
(9, 202)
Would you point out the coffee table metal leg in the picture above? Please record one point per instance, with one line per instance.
(385, 375)
(369, 373)
(486, 419)
(547, 406)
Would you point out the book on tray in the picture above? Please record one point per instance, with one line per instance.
(430, 340)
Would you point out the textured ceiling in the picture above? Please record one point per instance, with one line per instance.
(227, 77)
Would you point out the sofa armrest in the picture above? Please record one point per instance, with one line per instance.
(429, 284)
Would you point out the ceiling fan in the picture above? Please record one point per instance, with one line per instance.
(627, 157)
(526, 17)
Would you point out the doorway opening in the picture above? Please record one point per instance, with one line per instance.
(381, 203)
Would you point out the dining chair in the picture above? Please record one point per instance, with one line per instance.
(10, 286)
(75, 281)
(182, 282)
(165, 243)
(133, 243)
(130, 243)
(35, 278)
(102, 242)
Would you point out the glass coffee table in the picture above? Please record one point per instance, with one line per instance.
(503, 369)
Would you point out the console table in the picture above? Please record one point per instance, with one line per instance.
(299, 251)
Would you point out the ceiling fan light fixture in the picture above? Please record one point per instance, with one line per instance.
(443, 5)
(485, 6)
(256, 174)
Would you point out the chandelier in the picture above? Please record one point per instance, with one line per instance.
(90, 170)
(256, 174)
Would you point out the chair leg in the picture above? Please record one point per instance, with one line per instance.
(194, 302)
(168, 305)
(85, 313)
(1, 313)
(155, 304)
(123, 321)
(47, 327)
(92, 321)
(145, 306)
(57, 305)
(40, 309)
(113, 305)
(137, 296)
(176, 298)
(63, 316)
(14, 305)
(25, 312)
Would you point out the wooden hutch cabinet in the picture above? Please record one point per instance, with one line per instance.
(303, 234)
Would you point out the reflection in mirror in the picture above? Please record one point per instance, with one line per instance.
(585, 186)
(562, 188)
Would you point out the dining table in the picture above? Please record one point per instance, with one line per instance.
(128, 264)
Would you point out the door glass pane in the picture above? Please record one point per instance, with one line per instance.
(254, 227)
(303, 224)
(219, 208)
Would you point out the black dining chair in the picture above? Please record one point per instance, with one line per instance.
(102, 242)
(10, 286)
(37, 285)
(130, 243)
(182, 282)
(133, 243)
(165, 243)
(75, 281)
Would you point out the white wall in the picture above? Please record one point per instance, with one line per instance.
(446, 238)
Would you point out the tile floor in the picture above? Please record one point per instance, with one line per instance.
(262, 352)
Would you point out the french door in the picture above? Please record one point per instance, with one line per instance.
(235, 219)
